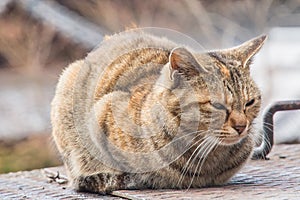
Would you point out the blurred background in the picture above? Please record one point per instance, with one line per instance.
(38, 38)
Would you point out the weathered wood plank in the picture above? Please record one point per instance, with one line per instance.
(277, 178)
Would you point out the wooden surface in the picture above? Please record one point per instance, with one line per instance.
(277, 178)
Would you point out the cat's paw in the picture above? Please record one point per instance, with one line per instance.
(102, 183)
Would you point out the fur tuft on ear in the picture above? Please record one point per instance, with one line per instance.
(182, 61)
(248, 49)
(242, 54)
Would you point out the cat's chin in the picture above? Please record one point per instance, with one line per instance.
(231, 140)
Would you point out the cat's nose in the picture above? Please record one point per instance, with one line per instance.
(240, 128)
(238, 121)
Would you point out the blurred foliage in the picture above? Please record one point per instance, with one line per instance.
(213, 23)
(29, 46)
(33, 44)
(35, 151)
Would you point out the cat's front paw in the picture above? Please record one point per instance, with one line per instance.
(102, 183)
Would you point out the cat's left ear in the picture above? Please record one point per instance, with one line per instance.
(248, 49)
(182, 61)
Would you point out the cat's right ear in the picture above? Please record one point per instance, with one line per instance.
(184, 63)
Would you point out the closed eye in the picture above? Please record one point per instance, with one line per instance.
(219, 106)
(250, 103)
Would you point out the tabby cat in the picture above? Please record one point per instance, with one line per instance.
(141, 111)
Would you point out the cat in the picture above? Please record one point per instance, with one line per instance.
(141, 111)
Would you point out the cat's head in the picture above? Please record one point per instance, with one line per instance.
(218, 84)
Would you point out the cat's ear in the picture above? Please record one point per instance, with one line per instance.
(248, 49)
(183, 62)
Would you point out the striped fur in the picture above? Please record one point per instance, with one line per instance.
(143, 112)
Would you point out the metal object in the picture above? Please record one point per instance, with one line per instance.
(264, 149)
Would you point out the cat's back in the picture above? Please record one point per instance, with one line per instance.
(125, 53)
(126, 60)
(119, 44)
(121, 62)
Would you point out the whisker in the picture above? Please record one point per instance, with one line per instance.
(190, 146)
(263, 139)
(202, 147)
(269, 124)
(201, 157)
(199, 148)
(270, 129)
(222, 131)
(188, 134)
(184, 170)
(212, 143)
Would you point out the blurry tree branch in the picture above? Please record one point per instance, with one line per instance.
(203, 19)
(65, 21)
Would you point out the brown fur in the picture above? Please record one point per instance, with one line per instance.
(142, 112)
